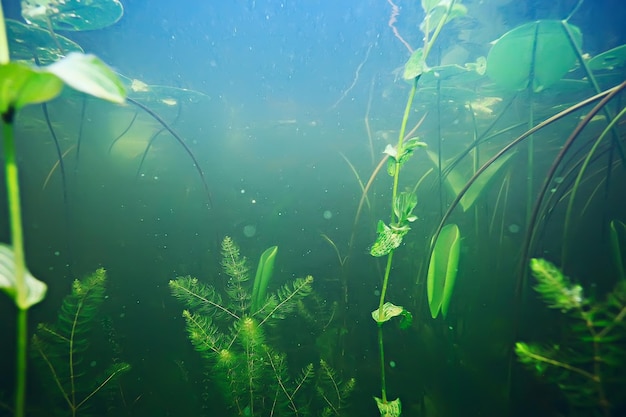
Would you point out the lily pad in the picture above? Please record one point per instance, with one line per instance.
(72, 15)
(535, 54)
(609, 60)
(35, 289)
(31, 44)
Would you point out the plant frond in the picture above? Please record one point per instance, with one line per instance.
(234, 265)
(198, 297)
(555, 288)
(105, 382)
(332, 390)
(203, 334)
(285, 299)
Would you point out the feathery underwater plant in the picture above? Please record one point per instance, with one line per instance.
(588, 366)
(228, 327)
(62, 347)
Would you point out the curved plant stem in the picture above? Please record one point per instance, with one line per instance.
(181, 142)
(577, 182)
(610, 92)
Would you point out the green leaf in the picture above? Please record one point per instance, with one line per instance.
(390, 311)
(88, 74)
(609, 60)
(455, 180)
(407, 320)
(403, 208)
(21, 85)
(397, 158)
(618, 242)
(387, 239)
(75, 15)
(262, 278)
(389, 408)
(535, 54)
(51, 47)
(415, 66)
(36, 289)
(442, 270)
(438, 12)
(428, 5)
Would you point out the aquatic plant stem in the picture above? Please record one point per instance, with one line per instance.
(17, 238)
(381, 347)
(17, 242)
(383, 291)
(396, 176)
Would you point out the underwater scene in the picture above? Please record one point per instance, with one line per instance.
(313, 208)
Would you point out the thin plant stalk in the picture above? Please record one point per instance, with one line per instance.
(428, 44)
(17, 243)
(577, 182)
(17, 239)
(383, 291)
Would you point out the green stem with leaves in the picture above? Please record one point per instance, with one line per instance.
(398, 161)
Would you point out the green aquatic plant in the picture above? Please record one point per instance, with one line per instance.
(442, 270)
(262, 278)
(455, 180)
(63, 348)
(38, 43)
(389, 236)
(21, 85)
(618, 245)
(230, 335)
(588, 365)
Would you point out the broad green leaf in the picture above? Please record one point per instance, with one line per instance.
(21, 85)
(36, 290)
(264, 273)
(609, 60)
(49, 48)
(74, 15)
(88, 74)
(390, 311)
(535, 54)
(415, 66)
(455, 180)
(442, 270)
